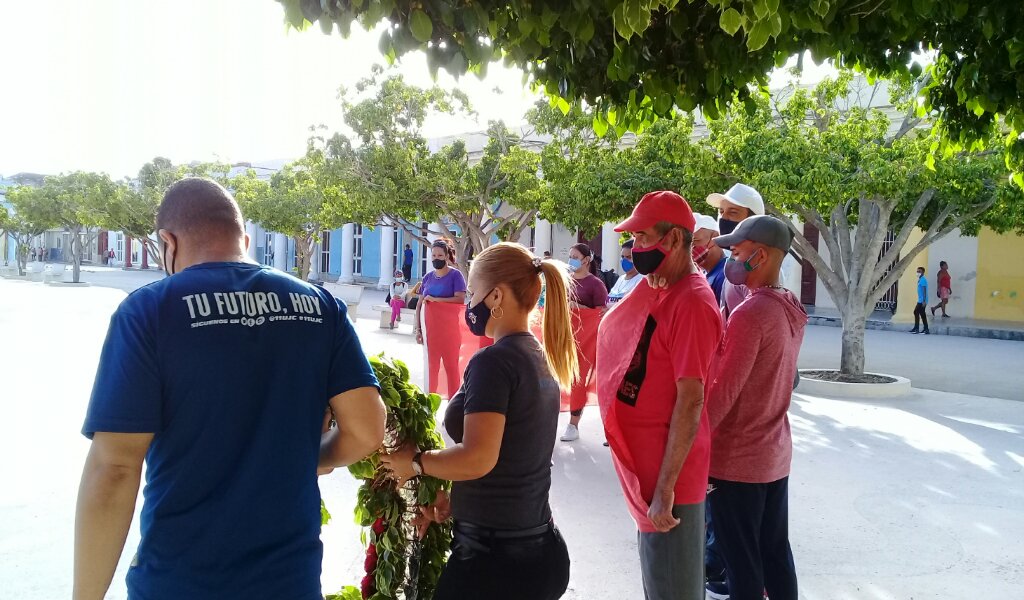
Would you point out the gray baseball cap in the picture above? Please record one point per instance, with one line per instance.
(762, 229)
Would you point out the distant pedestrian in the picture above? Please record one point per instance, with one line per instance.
(445, 284)
(547, 254)
(407, 263)
(945, 285)
(920, 314)
(707, 255)
(629, 278)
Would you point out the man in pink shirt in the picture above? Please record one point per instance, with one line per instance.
(751, 447)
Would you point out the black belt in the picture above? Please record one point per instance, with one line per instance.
(478, 531)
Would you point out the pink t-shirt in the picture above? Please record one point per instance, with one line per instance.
(687, 332)
(753, 385)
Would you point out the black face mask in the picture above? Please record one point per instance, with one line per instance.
(725, 226)
(477, 317)
(163, 256)
(647, 260)
(438, 264)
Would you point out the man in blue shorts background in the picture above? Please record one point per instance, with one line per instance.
(232, 435)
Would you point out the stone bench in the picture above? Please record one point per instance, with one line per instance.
(347, 292)
(408, 315)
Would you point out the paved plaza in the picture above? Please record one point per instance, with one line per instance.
(918, 497)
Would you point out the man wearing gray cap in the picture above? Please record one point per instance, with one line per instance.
(751, 447)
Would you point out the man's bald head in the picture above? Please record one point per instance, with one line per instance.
(200, 209)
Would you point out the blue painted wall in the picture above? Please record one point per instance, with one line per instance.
(335, 248)
(371, 252)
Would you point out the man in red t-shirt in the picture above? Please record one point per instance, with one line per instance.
(751, 447)
(655, 349)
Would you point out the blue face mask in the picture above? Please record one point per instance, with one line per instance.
(575, 264)
(626, 264)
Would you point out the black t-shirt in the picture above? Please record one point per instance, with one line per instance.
(512, 378)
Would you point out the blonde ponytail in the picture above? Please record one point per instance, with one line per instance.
(513, 265)
(559, 342)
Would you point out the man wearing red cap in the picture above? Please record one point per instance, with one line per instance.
(655, 349)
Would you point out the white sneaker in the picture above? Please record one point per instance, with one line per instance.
(572, 433)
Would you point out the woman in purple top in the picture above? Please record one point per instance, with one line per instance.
(444, 284)
(588, 291)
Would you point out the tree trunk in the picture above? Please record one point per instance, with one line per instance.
(150, 247)
(76, 254)
(852, 358)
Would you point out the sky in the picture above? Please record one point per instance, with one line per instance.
(108, 85)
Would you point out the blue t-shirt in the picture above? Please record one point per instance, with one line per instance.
(231, 366)
(407, 257)
(716, 278)
(922, 290)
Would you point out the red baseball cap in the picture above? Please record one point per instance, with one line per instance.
(659, 207)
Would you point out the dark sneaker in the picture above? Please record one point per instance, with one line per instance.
(925, 332)
(914, 331)
(717, 590)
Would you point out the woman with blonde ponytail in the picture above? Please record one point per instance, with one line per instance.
(504, 420)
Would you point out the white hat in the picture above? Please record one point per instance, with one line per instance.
(740, 195)
(705, 222)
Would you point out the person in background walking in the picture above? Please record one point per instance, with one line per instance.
(503, 421)
(398, 291)
(588, 292)
(751, 444)
(629, 278)
(920, 312)
(945, 285)
(407, 263)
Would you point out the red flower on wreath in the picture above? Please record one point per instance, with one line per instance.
(379, 526)
(367, 586)
(371, 559)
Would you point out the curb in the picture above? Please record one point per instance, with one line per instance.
(839, 389)
(935, 329)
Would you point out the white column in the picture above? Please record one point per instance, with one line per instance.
(610, 248)
(250, 230)
(347, 249)
(541, 237)
(280, 252)
(387, 259)
(314, 263)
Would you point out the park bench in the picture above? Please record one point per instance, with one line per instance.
(408, 315)
(349, 293)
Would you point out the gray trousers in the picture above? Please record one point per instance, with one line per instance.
(672, 563)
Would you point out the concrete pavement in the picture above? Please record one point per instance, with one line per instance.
(919, 497)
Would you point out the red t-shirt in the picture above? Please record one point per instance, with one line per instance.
(688, 330)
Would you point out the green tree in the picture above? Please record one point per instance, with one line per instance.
(21, 230)
(133, 210)
(638, 60)
(76, 202)
(295, 202)
(392, 177)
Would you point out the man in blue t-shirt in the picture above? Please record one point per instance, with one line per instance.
(233, 435)
(407, 263)
(920, 314)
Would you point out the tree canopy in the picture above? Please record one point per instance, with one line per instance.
(391, 176)
(640, 60)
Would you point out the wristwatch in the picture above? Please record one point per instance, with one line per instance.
(417, 464)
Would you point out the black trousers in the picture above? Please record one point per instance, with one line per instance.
(482, 568)
(407, 271)
(752, 533)
(920, 314)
